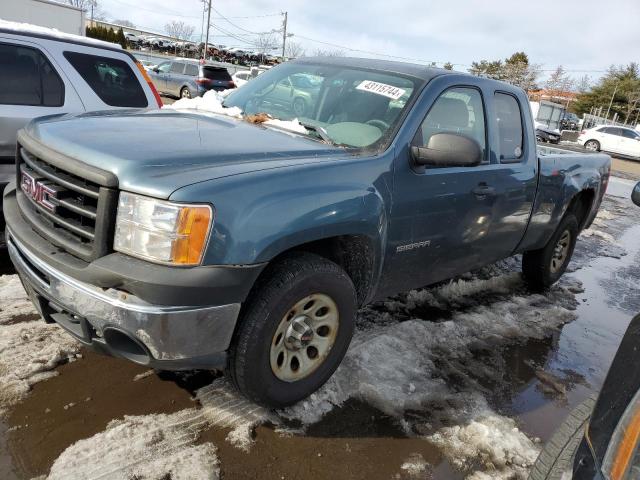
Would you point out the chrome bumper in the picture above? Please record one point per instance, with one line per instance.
(172, 337)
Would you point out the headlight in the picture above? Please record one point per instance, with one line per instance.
(161, 231)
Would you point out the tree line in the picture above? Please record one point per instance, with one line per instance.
(107, 34)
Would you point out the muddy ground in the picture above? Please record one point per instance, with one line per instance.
(464, 379)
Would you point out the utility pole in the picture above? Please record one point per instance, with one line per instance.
(204, 3)
(284, 34)
(206, 42)
(611, 102)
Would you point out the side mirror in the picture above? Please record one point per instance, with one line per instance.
(635, 195)
(448, 150)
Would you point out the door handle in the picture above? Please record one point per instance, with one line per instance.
(482, 191)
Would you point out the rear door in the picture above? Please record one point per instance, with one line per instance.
(449, 220)
(630, 143)
(32, 85)
(175, 78)
(610, 139)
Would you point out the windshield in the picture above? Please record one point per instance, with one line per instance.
(346, 106)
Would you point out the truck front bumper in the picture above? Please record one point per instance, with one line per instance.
(120, 324)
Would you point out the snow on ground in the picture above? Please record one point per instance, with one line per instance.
(14, 302)
(420, 365)
(29, 350)
(149, 447)
(223, 406)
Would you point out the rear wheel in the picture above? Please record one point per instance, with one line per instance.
(543, 267)
(592, 145)
(185, 93)
(294, 330)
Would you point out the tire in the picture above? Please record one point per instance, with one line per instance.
(592, 145)
(539, 139)
(558, 454)
(185, 93)
(299, 107)
(543, 267)
(263, 334)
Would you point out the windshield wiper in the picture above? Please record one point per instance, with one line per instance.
(321, 132)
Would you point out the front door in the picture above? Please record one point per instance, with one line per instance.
(449, 220)
(159, 77)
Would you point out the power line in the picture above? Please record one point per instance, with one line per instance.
(236, 25)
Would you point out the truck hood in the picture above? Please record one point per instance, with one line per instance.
(156, 152)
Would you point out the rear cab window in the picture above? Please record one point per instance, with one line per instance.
(28, 78)
(510, 128)
(112, 80)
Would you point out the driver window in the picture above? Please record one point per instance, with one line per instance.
(164, 67)
(458, 110)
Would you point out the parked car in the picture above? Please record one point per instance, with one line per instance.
(188, 78)
(132, 38)
(546, 135)
(208, 241)
(295, 93)
(618, 140)
(243, 76)
(570, 121)
(45, 72)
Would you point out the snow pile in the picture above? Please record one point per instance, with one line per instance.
(490, 440)
(29, 350)
(14, 302)
(150, 447)
(223, 406)
(415, 465)
(433, 369)
(210, 102)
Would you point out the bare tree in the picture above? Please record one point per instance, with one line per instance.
(179, 29)
(318, 52)
(448, 66)
(559, 84)
(265, 42)
(294, 50)
(584, 84)
(124, 23)
(96, 12)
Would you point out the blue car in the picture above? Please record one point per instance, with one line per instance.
(188, 78)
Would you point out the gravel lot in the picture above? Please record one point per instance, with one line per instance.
(462, 380)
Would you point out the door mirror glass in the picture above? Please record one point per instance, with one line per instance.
(448, 150)
(635, 195)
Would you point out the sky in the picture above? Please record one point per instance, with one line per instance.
(585, 36)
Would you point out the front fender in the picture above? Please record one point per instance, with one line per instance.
(262, 214)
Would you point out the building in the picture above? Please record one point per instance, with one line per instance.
(44, 13)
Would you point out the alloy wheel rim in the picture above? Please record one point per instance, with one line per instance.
(304, 337)
(561, 252)
(186, 94)
(591, 146)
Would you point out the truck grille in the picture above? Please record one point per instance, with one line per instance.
(70, 211)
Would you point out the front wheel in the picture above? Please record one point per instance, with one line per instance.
(555, 461)
(543, 267)
(294, 330)
(185, 93)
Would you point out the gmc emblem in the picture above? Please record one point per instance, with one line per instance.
(39, 191)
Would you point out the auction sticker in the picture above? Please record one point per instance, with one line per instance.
(381, 89)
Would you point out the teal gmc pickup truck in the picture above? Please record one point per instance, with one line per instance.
(192, 240)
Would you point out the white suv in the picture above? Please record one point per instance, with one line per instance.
(620, 140)
(47, 72)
